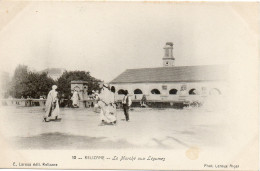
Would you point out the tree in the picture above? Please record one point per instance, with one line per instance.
(38, 84)
(65, 80)
(26, 83)
(18, 81)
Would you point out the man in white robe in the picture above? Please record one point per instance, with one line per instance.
(75, 99)
(105, 103)
(52, 110)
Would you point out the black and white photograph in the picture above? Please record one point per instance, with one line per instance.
(129, 85)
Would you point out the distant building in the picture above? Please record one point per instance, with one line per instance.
(170, 82)
(54, 73)
(81, 87)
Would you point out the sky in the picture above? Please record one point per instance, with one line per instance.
(106, 38)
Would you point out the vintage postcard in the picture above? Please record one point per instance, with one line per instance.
(129, 85)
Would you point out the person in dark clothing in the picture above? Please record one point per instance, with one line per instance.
(143, 101)
(126, 104)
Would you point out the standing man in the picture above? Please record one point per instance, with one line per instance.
(143, 101)
(126, 104)
(52, 110)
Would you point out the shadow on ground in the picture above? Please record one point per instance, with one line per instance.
(59, 140)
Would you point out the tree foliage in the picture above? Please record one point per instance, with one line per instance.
(26, 83)
(64, 81)
(38, 85)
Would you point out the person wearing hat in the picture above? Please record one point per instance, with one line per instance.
(126, 104)
(52, 110)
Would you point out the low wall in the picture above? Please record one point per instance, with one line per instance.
(22, 102)
(41, 102)
(179, 102)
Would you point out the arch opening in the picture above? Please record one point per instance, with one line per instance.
(113, 89)
(193, 91)
(173, 91)
(138, 91)
(155, 91)
(121, 91)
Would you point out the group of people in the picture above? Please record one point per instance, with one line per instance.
(105, 101)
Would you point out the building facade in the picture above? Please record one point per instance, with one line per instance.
(81, 87)
(170, 82)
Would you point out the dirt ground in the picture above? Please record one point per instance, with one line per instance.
(79, 129)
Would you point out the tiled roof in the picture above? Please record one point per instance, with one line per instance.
(174, 74)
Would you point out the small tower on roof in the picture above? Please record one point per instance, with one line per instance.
(168, 59)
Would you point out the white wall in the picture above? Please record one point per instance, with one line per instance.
(147, 87)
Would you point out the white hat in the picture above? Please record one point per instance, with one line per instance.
(54, 87)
